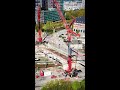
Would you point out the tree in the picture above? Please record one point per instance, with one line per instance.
(41, 26)
(82, 85)
(77, 31)
(76, 85)
(81, 12)
(48, 27)
(36, 27)
(75, 13)
(67, 15)
(64, 85)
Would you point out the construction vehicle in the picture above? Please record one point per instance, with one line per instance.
(70, 71)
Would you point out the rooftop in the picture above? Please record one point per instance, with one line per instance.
(80, 19)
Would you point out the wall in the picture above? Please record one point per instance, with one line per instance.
(80, 27)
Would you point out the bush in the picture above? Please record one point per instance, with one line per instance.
(82, 84)
(64, 85)
(76, 85)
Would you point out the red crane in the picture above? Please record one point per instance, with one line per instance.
(39, 30)
(69, 33)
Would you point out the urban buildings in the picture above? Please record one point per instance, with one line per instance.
(48, 11)
(79, 25)
(83, 4)
(73, 4)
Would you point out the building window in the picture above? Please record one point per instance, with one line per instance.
(80, 30)
(83, 31)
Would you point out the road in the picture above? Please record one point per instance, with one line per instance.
(59, 46)
(56, 42)
(56, 56)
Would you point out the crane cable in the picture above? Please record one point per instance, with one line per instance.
(76, 54)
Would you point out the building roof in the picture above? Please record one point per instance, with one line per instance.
(80, 19)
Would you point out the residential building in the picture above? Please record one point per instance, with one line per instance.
(83, 4)
(79, 26)
(72, 5)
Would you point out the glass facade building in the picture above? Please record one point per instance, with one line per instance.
(48, 12)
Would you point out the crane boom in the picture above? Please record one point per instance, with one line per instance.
(57, 5)
(69, 32)
(63, 18)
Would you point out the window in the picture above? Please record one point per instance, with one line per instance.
(83, 31)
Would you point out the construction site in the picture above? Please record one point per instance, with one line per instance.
(60, 55)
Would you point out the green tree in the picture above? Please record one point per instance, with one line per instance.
(64, 85)
(82, 85)
(48, 27)
(77, 31)
(76, 85)
(41, 26)
(36, 27)
(81, 12)
(75, 13)
(67, 15)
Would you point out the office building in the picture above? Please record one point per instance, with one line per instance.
(79, 26)
(50, 13)
(72, 5)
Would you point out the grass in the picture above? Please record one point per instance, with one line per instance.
(64, 85)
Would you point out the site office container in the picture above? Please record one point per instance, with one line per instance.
(47, 73)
